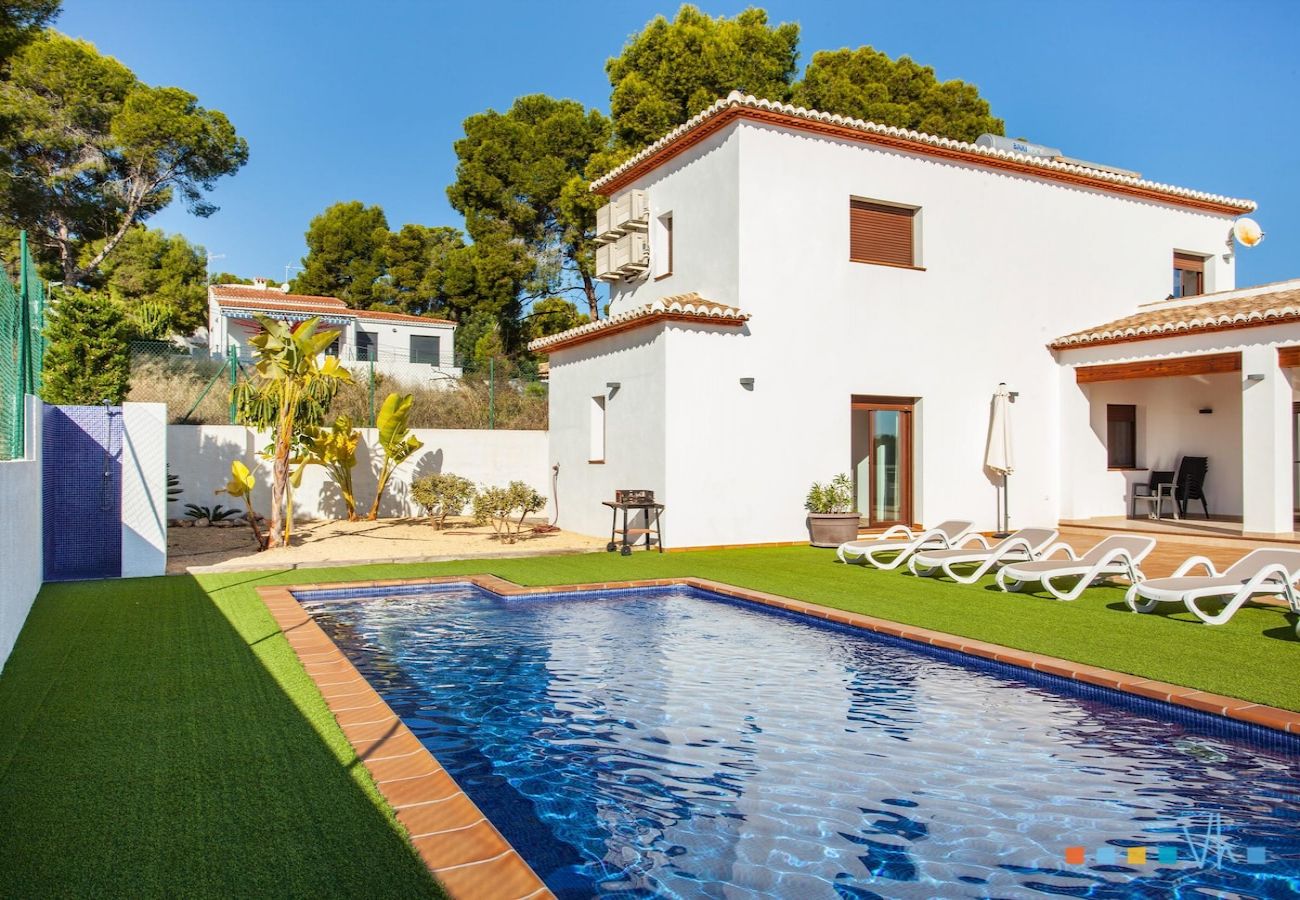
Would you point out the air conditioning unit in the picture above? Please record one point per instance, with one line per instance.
(627, 213)
(604, 269)
(604, 233)
(630, 254)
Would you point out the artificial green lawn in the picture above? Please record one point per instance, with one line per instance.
(158, 737)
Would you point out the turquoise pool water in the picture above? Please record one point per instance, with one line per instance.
(673, 743)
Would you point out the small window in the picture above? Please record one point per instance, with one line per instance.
(1189, 275)
(666, 244)
(1121, 436)
(882, 234)
(333, 348)
(597, 454)
(426, 348)
(367, 342)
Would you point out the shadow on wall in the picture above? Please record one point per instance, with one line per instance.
(200, 456)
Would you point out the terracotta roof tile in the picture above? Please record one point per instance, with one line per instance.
(676, 307)
(271, 300)
(797, 116)
(1247, 308)
(381, 315)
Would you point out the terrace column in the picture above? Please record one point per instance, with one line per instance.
(1266, 503)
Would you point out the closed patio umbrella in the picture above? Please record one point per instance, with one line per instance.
(998, 457)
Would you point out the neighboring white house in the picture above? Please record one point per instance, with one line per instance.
(405, 347)
(796, 294)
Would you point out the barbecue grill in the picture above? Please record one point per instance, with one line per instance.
(625, 538)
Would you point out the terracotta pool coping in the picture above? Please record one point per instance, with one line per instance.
(453, 837)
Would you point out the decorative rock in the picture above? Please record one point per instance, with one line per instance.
(201, 523)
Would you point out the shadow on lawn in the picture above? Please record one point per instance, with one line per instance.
(162, 742)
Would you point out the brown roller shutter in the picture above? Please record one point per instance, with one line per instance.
(1189, 263)
(880, 233)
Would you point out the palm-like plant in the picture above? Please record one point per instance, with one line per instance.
(335, 448)
(291, 393)
(395, 440)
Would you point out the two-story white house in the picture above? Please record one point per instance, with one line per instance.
(413, 348)
(796, 294)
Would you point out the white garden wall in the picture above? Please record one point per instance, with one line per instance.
(21, 563)
(200, 455)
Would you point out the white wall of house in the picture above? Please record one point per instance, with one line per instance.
(635, 448)
(144, 489)
(1010, 262)
(1248, 437)
(21, 562)
(200, 455)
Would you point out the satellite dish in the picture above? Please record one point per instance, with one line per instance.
(1247, 232)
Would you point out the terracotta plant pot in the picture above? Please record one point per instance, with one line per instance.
(832, 529)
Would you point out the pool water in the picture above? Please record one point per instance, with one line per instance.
(669, 742)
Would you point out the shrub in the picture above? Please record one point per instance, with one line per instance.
(87, 354)
(499, 505)
(834, 497)
(442, 495)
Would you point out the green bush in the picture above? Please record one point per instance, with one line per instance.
(499, 505)
(442, 495)
(834, 497)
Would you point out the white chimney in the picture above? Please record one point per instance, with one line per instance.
(259, 283)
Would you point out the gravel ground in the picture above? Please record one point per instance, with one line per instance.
(349, 543)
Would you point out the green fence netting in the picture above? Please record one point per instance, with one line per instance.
(22, 348)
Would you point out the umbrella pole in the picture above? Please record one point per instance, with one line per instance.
(1006, 505)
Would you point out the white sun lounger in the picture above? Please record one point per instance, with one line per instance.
(1119, 554)
(1022, 546)
(903, 542)
(1263, 572)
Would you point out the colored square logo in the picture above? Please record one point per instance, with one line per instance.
(1074, 856)
(1105, 856)
(1255, 856)
(1137, 856)
(1167, 855)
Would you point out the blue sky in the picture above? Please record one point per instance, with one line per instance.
(348, 101)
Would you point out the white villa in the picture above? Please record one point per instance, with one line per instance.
(400, 345)
(796, 294)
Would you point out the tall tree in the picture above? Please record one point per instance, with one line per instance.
(344, 257)
(670, 71)
(866, 84)
(415, 260)
(88, 151)
(156, 277)
(87, 356)
(22, 20)
(525, 171)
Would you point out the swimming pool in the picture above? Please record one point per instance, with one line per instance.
(673, 742)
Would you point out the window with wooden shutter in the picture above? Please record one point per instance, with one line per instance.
(882, 234)
(1189, 275)
(1121, 435)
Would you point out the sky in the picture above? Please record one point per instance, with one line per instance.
(351, 101)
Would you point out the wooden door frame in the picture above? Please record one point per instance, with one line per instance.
(907, 425)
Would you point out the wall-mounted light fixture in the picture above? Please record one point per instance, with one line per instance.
(747, 383)
(1253, 378)
(1206, 411)
(613, 387)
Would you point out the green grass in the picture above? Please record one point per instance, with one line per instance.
(158, 737)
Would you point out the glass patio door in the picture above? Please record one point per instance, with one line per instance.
(882, 460)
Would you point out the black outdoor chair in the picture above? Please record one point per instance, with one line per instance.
(1189, 483)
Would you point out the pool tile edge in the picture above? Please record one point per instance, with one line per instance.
(457, 842)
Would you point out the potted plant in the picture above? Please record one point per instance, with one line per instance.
(830, 520)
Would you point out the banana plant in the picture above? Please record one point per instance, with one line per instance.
(241, 484)
(395, 440)
(294, 386)
(335, 449)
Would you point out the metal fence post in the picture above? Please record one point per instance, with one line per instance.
(24, 329)
(232, 361)
(492, 392)
(371, 354)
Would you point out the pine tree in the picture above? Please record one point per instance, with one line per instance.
(87, 354)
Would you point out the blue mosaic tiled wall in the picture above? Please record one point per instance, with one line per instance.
(82, 481)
